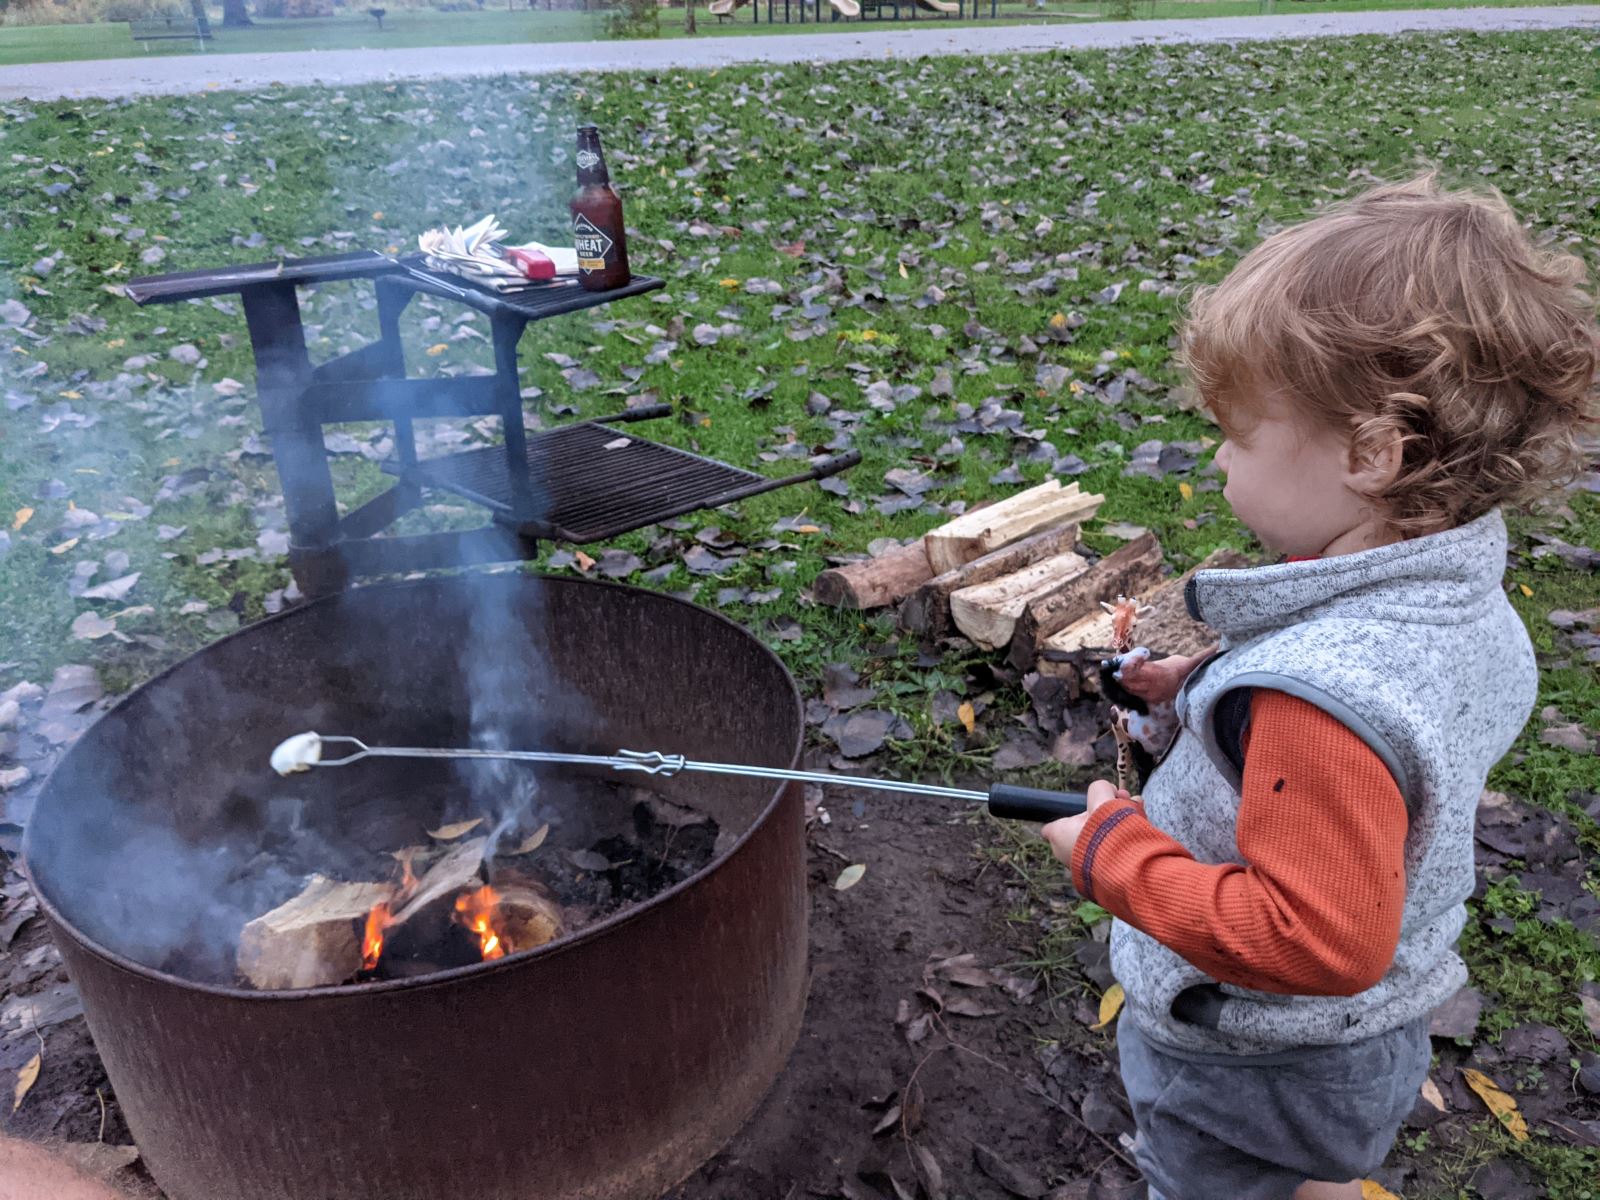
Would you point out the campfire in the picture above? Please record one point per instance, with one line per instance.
(463, 900)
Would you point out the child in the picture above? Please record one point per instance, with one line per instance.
(1289, 890)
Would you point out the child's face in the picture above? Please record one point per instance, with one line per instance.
(1292, 483)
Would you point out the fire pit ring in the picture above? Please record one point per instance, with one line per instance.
(608, 1064)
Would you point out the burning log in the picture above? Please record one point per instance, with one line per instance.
(456, 871)
(986, 530)
(927, 610)
(509, 919)
(313, 940)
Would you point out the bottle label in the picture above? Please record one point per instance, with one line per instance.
(593, 246)
(588, 160)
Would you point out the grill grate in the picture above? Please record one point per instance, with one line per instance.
(584, 492)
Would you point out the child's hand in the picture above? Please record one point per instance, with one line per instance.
(1155, 680)
(1063, 834)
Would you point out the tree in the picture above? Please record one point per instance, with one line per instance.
(235, 15)
(198, 9)
(688, 16)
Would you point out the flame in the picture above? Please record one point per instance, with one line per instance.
(474, 910)
(372, 936)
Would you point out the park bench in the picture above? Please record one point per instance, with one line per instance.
(170, 29)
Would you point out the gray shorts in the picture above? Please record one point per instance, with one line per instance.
(1218, 1127)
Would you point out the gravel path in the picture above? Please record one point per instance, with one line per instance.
(179, 74)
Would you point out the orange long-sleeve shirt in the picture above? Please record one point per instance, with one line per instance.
(1315, 908)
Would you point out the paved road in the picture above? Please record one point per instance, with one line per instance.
(169, 75)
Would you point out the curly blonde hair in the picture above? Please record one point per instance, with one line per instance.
(1414, 312)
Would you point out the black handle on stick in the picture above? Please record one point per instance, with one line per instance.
(1015, 803)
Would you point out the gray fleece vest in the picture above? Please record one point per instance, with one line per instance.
(1416, 649)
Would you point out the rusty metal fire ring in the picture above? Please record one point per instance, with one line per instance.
(606, 1065)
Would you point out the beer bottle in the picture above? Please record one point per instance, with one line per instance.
(597, 219)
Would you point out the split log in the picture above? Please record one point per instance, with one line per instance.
(927, 610)
(313, 940)
(986, 530)
(455, 872)
(988, 612)
(1167, 630)
(1129, 571)
(875, 582)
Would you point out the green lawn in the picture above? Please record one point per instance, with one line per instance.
(426, 27)
(890, 238)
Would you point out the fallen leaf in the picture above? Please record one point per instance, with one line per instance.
(849, 877)
(1591, 1013)
(91, 627)
(25, 1080)
(971, 1006)
(1432, 1094)
(1376, 1191)
(1568, 737)
(1110, 1005)
(1014, 1180)
(449, 833)
(961, 969)
(534, 841)
(1186, 491)
(64, 546)
(585, 563)
(1524, 589)
(968, 717)
(890, 1120)
(437, 349)
(1458, 1016)
(116, 589)
(1497, 1102)
(24, 515)
(589, 860)
(929, 1172)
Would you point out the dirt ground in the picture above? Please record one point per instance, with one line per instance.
(985, 1115)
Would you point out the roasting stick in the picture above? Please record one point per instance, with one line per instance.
(305, 750)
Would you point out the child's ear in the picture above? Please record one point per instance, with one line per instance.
(1377, 454)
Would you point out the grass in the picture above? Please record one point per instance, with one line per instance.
(411, 28)
(924, 193)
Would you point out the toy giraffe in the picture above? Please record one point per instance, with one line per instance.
(1125, 613)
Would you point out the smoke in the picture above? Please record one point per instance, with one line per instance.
(504, 651)
(119, 855)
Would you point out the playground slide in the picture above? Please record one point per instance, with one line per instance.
(723, 8)
(846, 8)
(939, 6)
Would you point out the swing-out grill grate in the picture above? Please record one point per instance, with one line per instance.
(589, 482)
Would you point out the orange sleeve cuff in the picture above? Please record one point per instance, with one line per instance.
(1097, 830)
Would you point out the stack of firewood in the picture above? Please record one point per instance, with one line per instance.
(1014, 577)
